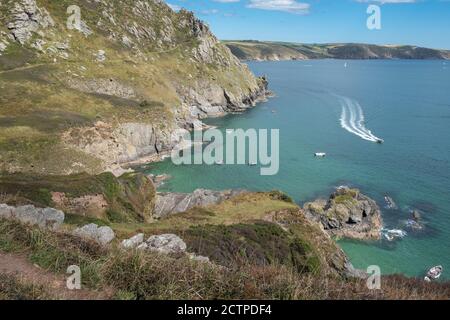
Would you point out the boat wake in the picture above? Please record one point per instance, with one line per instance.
(353, 120)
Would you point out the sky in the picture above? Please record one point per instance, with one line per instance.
(415, 22)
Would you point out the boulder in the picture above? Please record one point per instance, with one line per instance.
(133, 242)
(6, 211)
(101, 235)
(166, 243)
(47, 218)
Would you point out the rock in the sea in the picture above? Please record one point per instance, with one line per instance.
(347, 214)
(102, 235)
(47, 218)
(166, 243)
(171, 203)
(416, 216)
(133, 242)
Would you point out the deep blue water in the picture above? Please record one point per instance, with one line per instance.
(406, 103)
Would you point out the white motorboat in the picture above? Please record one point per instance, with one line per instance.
(434, 273)
(320, 154)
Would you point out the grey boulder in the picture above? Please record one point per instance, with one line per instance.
(101, 235)
(166, 243)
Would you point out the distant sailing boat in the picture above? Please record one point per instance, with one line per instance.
(345, 65)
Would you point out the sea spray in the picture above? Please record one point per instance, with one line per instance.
(353, 120)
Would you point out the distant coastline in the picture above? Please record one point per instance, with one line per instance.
(250, 50)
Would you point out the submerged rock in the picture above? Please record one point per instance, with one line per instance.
(102, 235)
(348, 214)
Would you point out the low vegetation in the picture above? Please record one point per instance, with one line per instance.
(134, 275)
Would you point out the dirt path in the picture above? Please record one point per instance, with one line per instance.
(32, 66)
(18, 265)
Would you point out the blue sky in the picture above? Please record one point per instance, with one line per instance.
(416, 22)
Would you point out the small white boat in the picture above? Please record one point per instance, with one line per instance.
(434, 273)
(320, 154)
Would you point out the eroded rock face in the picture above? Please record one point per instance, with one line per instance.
(125, 143)
(27, 18)
(171, 203)
(47, 218)
(347, 214)
(102, 235)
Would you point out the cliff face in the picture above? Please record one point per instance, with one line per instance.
(110, 89)
(262, 51)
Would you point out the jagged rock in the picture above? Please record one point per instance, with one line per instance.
(28, 18)
(47, 218)
(166, 243)
(347, 214)
(102, 235)
(171, 203)
(416, 216)
(133, 242)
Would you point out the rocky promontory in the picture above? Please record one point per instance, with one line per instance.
(171, 203)
(347, 214)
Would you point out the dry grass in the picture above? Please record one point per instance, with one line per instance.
(152, 276)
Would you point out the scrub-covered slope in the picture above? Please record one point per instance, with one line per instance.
(110, 89)
(273, 51)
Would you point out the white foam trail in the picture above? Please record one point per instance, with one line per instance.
(353, 120)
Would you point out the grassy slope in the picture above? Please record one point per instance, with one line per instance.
(36, 104)
(254, 50)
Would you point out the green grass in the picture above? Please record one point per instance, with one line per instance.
(246, 207)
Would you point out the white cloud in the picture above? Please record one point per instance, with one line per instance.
(388, 1)
(292, 6)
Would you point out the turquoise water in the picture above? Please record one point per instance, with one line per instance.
(406, 103)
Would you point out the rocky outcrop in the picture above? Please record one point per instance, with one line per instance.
(125, 143)
(102, 235)
(47, 218)
(26, 19)
(347, 214)
(171, 203)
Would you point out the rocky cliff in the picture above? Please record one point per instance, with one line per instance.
(91, 93)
